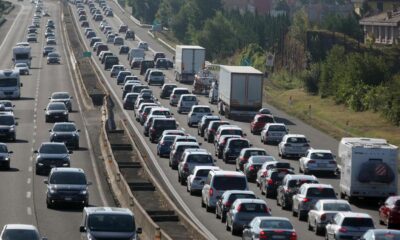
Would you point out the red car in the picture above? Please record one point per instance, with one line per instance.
(259, 122)
(389, 212)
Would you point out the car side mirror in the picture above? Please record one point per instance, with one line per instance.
(89, 183)
(215, 160)
(36, 151)
(44, 109)
(13, 59)
(44, 238)
(70, 152)
(139, 230)
(250, 145)
(16, 123)
(21, 84)
(49, 97)
(46, 181)
(78, 130)
(82, 229)
(10, 152)
(244, 134)
(50, 130)
(71, 97)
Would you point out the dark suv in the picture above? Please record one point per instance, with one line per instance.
(159, 125)
(167, 90)
(8, 126)
(67, 185)
(209, 132)
(51, 155)
(203, 124)
(233, 147)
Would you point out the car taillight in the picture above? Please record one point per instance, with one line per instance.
(243, 159)
(332, 162)
(211, 192)
(239, 208)
(323, 217)
(270, 182)
(152, 130)
(228, 204)
(293, 236)
(173, 96)
(144, 114)
(162, 143)
(264, 174)
(186, 167)
(305, 200)
(342, 229)
(251, 168)
(263, 235)
(311, 161)
(306, 145)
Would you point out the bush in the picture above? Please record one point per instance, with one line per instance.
(310, 78)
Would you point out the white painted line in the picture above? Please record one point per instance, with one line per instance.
(28, 194)
(30, 169)
(29, 211)
(28, 181)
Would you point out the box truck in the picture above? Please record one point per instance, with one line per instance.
(369, 168)
(188, 61)
(240, 91)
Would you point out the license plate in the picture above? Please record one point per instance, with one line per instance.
(56, 116)
(321, 164)
(68, 198)
(279, 237)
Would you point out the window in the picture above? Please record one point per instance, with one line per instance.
(7, 120)
(321, 192)
(8, 82)
(276, 224)
(296, 140)
(199, 159)
(253, 207)
(337, 207)
(3, 149)
(20, 234)
(53, 149)
(202, 172)
(321, 156)
(111, 223)
(233, 197)
(358, 222)
(68, 178)
(229, 183)
(64, 128)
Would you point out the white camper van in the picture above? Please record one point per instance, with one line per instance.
(369, 168)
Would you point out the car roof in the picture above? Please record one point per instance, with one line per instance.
(229, 173)
(197, 151)
(20, 226)
(200, 106)
(59, 93)
(229, 127)
(229, 192)
(249, 200)
(180, 88)
(319, 151)
(317, 185)
(275, 124)
(105, 210)
(323, 201)
(295, 135)
(354, 214)
(53, 143)
(206, 167)
(64, 123)
(187, 143)
(262, 157)
(67, 169)
(301, 176)
(261, 218)
(253, 148)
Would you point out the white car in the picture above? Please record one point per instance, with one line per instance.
(197, 112)
(323, 212)
(186, 102)
(143, 45)
(317, 160)
(22, 68)
(20, 231)
(349, 225)
(293, 145)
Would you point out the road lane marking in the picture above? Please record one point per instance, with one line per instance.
(30, 169)
(28, 194)
(28, 181)
(29, 211)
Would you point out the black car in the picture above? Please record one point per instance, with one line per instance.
(56, 111)
(166, 90)
(110, 61)
(85, 24)
(8, 126)
(225, 202)
(47, 50)
(63, 97)
(94, 40)
(5, 156)
(130, 35)
(124, 49)
(51, 155)
(65, 132)
(233, 147)
(158, 55)
(53, 58)
(273, 180)
(159, 125)
(203, 124)
(162, 63)
(67, 185)
(123, 28)
(144, 65)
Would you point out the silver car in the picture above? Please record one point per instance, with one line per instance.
(20, 231)
(317, 160)
(293, 145)
(195, 181)
(5, 156)
(186, 102)
(381, 234)
(243, 211)
(176, 94)
(323, 212)
(348, 225)
(269, 228)
(190, 159)
(273, 133)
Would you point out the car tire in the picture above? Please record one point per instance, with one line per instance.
(7, 167)
(227, 226)
(48, 204)
(302, 216)
(216, 214)
(203, 205)
(234, 231)
(223, 217)
(318, 230)
(294, 213)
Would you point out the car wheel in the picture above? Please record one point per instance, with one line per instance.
(234, 231)
(318, 230)
(202, 203)
(217, 216)
(223, 217)
(278, 201)
(7, 167)
(268, 194)
(309, 227)
(294, 213)
(208, 208)
(302, 216)
(49, 204)
(227, 226)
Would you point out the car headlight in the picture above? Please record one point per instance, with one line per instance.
(65, 113)
(83, 192)
(52, 190)
(7, 159)
(12, 129)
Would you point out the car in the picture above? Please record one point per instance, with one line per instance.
(389, 212)
(185, 138)
(135, 63)
(90, 34)
(110, 38)
(5, 156)
(109, 222)
(226, 200)
(100, 48)
(145, 113)
(51, 41)
(160, 125)
(48, 49)
(147, 124)
(289, 187)
(293, 145)
(220, 144)
(317, 161)
(50, 33)
(65, 132)
(8, 126)
(130, 34)
(185, 103)
(139, 110)
(116, 69)
(20, 231)
(22, 68)
(53, 57)
(254, 164)
(118, 41)
(51, 155)
(82, 18)
(269, 228)
(167, 89)
(56, 111)
(98, 17)
(268, 163)
(217, 183)
(31, 37)
(124, 49)
(123, 28)
(109, 13)
(127, 88)
(63, 97)
(164, 145)
(273, 133)
(211, 130)
(264, 111)
(158, 55)
(94, 40)
(245, 154)
(323, 212)
(121, 76)
(84, 24)
(308, 195)
(176, 94)
(129, 100)
(349, 225)
(156, 77)
(7, 105)
(110, 61)
(243, 211)
(196, 113)
(144, 46)
(204, 122)
(381, 234)
(132, 79)
(105, 55)
(162, 63)
(177, 150)
(272, 180)
(259, 122)
(228, 130)
(190, 159)
(67, 180)
(174, 132)
(144, 65)
(233, 147)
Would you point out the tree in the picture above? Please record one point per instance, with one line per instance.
(333, 66)
(299, 26)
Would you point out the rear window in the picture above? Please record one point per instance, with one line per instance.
(203, 173)
(336, 207)
(277, 128)
(199, 158)
(202, 110)
(157, 74)
(296, 140)
(239, 143)
(265, 119)
(235, 196)
(182, 148)
(387, 235)
(254, 153)
(180, 92)
(229, 183)
(297, 183)
(164, 123)
(321, 156)
(189, 98)
(279, 175)
(215, 125)
(276, 224)
(231, 132)
(321, 192)
(253, 207)
(357, 222)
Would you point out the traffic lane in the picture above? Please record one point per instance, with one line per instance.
(58, 78)
(15, 202)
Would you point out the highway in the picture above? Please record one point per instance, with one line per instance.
(318, 139)
(22, 192)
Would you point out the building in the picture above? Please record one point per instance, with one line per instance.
(316, 12)
(382, 28)
(375, 6)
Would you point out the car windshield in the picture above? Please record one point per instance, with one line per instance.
(21, 65)
(199, 158)
(6, 103)
(64, 128)
(202, 173)
(70, 178)
(231, 132)
(60, 96)
(275, 224)
(358, 222)
(189, 98)
(111, 223)
(3, 149)
(157, 74)
(296, 183)
(253, 207)
(321, 192)
(230, 183)
(7, 120)
(20, 234)
(57, 107)
(336, 207)
(161, 113)
(321, 156)
(8, 82)
(164, 123)
(277, 128)
(53, 149)
(296, 140)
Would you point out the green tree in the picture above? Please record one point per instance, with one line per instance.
(167, 10)
(300, 25)
(333, 65)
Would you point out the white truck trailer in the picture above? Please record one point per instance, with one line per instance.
(188, 61)
(369, 168)
(240, 91)
(22, 54)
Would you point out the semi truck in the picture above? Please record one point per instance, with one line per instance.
(240, 91)
(22, 54)
(189, 60)
(369, 168)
